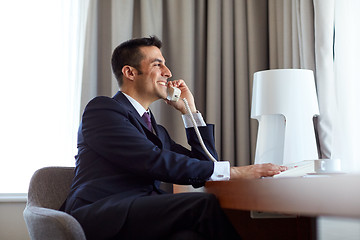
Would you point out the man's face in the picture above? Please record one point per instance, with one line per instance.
(152, 80)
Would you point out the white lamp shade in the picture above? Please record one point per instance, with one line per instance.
(284, 102)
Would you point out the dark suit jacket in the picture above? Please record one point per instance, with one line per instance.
(119, 160)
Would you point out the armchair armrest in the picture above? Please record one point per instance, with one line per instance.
(45, 223)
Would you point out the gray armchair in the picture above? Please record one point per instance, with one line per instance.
(48, 189)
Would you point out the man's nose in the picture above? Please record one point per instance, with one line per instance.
(167, 72)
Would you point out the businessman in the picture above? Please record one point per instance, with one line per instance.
(123, 155)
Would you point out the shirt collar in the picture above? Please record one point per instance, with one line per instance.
(139, 108)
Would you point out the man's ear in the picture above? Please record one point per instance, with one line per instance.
(129, 72)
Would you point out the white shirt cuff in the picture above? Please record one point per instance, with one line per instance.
(198, 119)
(221, 171)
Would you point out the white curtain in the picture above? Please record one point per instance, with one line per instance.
(337, 61)
(347, 84)
(75, 14)
(325, 81)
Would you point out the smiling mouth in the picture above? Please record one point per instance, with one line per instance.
(162, 83)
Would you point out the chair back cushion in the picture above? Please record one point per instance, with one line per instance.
(50, 186)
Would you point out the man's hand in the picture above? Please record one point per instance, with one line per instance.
(255, 171)
(185, 93)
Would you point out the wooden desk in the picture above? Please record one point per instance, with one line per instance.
(337, 195)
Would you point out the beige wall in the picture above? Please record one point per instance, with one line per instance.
(12, 224)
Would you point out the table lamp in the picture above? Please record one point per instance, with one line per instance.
(284, 102)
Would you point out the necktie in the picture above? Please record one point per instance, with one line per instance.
(146, 117)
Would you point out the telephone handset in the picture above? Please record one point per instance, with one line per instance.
(174, 95)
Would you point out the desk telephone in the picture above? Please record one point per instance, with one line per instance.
(173, 94)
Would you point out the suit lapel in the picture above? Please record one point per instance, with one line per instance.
(121, 98)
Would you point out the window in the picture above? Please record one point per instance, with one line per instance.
(40, 61)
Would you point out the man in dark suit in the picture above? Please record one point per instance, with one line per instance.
(121, 160)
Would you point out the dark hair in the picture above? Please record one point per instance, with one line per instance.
(128, 53)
